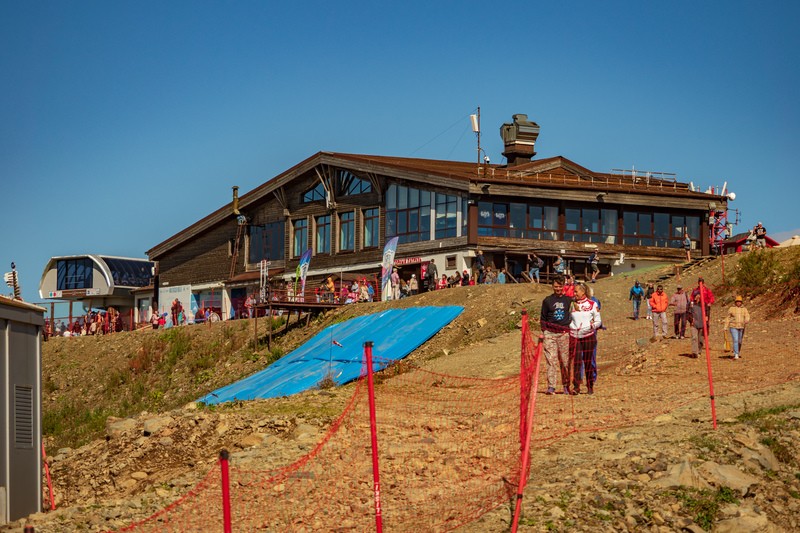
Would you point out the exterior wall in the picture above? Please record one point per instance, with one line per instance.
(21, 411)
(206, 257)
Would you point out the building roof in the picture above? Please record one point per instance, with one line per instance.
(551, 173)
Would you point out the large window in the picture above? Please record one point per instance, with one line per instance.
(371, 227)
(658, 229)
(323, 225)
(446, 216)
(300, 240)
(347, 232)
(543, 222)
(517, 220)
(266, 241)
(590, 225)
(408, 214)
(314, 194)
(348, 184)
(74, 274)
(492, 219)
(129, 273)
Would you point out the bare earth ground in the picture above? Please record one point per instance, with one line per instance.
(607, 471)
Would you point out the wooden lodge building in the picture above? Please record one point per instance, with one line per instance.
(344, 207)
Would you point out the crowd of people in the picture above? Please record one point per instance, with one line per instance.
(92, 323)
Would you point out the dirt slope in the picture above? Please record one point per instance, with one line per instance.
(592, 480)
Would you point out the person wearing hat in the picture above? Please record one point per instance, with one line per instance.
(680, 301)
(737, 319)
(413, 285)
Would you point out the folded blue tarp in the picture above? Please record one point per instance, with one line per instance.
(338, 352)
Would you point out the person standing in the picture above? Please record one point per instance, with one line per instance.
(594, 263)
(738, 317)
(648, 293)
(555, 321)
(413, 285)
(708, 299)
(431, 276)
(395, 281)
(535, 264)
(659, 303)
(687, 246)
(680, 301)
(584, 322)
(248, 306)
(569, 286)
(153, 320)
(696, 321)
(478, 267)
(559, 265)
(761, 235)
(635, 296)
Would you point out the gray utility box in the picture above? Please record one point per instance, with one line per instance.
(20, 409)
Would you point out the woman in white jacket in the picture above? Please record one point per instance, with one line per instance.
(584, 322)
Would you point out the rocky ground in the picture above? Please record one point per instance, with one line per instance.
(643, 454)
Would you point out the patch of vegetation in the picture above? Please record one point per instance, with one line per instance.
(765, 419)
(705, 441)
(782, 452)
(757, 272)
(704, 504)
(327, 381)
(73, 423)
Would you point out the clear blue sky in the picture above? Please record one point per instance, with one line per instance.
(123, 122)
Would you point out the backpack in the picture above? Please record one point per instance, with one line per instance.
(539, 262)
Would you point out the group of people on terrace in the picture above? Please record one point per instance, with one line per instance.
(92, 323)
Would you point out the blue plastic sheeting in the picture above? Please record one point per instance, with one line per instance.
(395, 333)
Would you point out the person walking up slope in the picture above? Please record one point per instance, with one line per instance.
(635, 296)
(659, 302)
(738, 317)
(555, 321)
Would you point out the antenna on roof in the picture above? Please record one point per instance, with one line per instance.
(475, 119)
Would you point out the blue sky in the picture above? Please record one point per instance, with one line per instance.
(121, 123)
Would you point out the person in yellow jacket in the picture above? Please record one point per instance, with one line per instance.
(737, 319)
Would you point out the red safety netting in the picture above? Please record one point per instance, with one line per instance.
(449, 450)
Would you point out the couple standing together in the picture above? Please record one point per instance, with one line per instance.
(569, 327)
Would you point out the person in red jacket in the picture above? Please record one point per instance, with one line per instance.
(659, 302)
(707, 298)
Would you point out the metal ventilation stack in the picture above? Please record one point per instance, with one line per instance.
(519, 139)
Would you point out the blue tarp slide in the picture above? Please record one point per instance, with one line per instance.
(394, 332)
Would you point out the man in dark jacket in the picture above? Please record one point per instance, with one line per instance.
(636, 295)
(555, 319)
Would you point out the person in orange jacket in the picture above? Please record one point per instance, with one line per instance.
(659, 302)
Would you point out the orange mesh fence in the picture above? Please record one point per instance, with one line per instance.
(449, 451)
(450, 447)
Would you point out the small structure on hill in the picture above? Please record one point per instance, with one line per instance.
(21, 326)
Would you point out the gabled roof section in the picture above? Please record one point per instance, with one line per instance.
(553, 172)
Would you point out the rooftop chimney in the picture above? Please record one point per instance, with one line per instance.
(235, 200)
(519, 139)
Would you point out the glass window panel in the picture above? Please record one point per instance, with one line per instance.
(300, 237)
(402, 197)
(630, 223)
(518, 220)
(500, 214)
(371, 227)
(678, 223)
(573, 219)
(347, 231)
(323, 237)
(608, 225)
(661, 225)
(402, 222)
(645, 224)
(391, 223)
(693, 224)
(413, 197)
(391, 197)
(590, 220)
(484, 214)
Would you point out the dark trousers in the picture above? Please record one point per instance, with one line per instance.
(581, 352)
(680, 324)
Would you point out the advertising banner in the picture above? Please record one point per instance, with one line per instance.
(386, 267)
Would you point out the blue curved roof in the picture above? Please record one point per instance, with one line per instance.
(394, 332)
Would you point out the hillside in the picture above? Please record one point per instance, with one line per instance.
(114, 470)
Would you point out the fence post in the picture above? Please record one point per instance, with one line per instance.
(708, 354)
(226, 491)
(49, 481)
(373, 429)
(526, 449)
